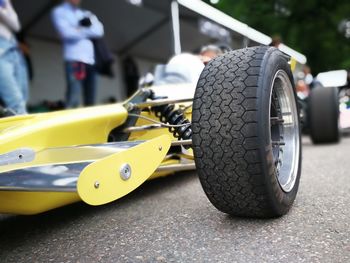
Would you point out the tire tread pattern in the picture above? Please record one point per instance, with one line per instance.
(225, 136)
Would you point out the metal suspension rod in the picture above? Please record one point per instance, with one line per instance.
(181, 142)
(176, 167)
(161, 102)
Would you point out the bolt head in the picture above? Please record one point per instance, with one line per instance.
(160, 148)
(97, 184)
(125, 172)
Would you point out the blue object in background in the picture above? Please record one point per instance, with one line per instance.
(2, 3)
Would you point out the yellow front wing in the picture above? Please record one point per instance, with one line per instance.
(42, 143)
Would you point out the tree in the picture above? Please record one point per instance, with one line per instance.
(310, 26)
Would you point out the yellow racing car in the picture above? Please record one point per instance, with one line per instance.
(238, 127)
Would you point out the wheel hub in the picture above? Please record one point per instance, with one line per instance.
(285, 134)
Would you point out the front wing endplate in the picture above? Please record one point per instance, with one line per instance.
(100, 182)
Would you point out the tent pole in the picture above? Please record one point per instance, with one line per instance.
(245, 42)
(175, 27)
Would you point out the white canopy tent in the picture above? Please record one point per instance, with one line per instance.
(150, 33)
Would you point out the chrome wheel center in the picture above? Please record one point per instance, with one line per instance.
(285, 134)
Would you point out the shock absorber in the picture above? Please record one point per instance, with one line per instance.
(182, 127)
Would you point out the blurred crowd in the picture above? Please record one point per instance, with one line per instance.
(86, 56)
(13, 70)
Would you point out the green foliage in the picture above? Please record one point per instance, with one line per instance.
(309, 26)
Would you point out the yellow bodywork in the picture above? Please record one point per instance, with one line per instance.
(52, 136)
(31, 203)
(293, 64)
(64, 128)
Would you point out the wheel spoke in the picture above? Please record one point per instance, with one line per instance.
(276, 120)
(278, 143)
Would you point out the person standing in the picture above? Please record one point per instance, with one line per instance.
(13, 71)
(76, 28)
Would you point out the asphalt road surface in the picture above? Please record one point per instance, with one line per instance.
(171, 220)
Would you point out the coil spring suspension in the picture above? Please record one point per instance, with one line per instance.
(168, 114)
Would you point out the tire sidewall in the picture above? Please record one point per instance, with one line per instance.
(273, 61)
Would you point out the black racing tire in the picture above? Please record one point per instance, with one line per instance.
(324, 115)
(234, 133)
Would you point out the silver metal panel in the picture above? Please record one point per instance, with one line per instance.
(21, 155)
(115, 145)
(53, 178)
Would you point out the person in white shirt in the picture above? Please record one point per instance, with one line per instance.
(77, 28)
(13, 71)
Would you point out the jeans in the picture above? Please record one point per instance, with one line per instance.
(13, 77)
(80, 76)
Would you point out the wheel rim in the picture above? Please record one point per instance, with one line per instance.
(285, 134)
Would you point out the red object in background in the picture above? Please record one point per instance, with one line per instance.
(79, 70)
